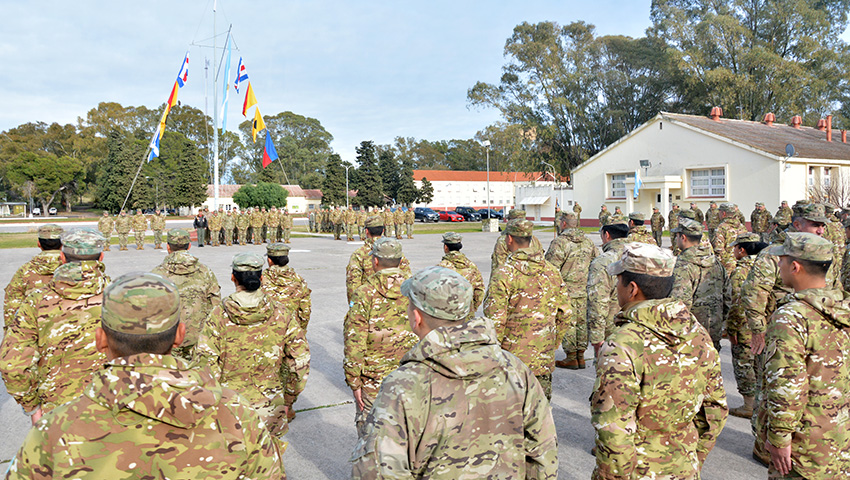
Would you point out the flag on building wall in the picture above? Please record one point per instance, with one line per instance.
(638, 183)
(269, 153)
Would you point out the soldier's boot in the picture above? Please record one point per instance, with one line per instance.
(106, 247)
(571, 362)
(291, 415)
(580, 359)
(745, 410)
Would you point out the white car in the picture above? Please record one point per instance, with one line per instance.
(36, 211)
(52, 211)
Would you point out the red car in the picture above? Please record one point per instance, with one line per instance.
(451, 216)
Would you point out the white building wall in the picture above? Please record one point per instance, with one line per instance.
(451, 194)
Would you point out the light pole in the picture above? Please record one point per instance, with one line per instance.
(486, 144)
(346, 185)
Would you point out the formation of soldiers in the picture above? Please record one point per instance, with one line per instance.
(426, 372)
(349, 222)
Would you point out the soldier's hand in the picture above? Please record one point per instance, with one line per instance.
(36, 416)
(757, 343)
(596, 348)
(779, 457)
(358, 399)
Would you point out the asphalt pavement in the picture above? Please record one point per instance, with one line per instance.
(322, 436)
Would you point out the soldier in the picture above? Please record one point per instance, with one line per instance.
(672, 223)
(361, 224)
(601, 287)
(409, 218)
(285, 286)
(228, 223)
(455, 260)
(833, 230)
(784, 215)
(200, 223)
(741, 218)
(376, 330)
(389, 226)
(699, 216)
(122, 227)
(398, 222)
(157, 225)
(105, 225)
(712, 220)
(699, 280)
(350, 219)
(488, 398)
(146, 413)
(246, 342)
(215, 223)
(243, 222)
(273, 224)
(265, 228)
(637, 229)
(311, 221)
(745, 248)
(845, 263)
(690, 215)
(577, 211)
(807, 380)
(726, 234)
(571, 253)
(48, 353)
(140, 226)
(36, 273)
(337, 221)
(286, 224)
(500, 249)
(197, 284)
(658, 404)
(617, 211)
(258, 221)
(524, 301)
(760, 221)
(656, 222)
(360, 263)
(604, 215)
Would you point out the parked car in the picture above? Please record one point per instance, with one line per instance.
(493, 213)
(469, 214)
(450, 216)
(51, 211)
(36, 211)
(425, 214)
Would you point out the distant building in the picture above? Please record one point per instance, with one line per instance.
(298, 200)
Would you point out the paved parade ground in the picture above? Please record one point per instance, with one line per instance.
(321, 438)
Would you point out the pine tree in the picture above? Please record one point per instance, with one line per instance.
(117, 171)
(333, 185)
(188, 182)
(389, 168)
(426, 192)
(368, 179)
(407, 192)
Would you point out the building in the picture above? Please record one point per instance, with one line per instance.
(688, 158)
(298, 200)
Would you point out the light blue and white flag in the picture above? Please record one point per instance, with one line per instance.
(638, 182)
(226, 83)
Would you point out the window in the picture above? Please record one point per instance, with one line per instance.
(710, 182)
(811, 176)
(826, 177)
(618, 184)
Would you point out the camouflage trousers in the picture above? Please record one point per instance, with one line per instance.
(257, 235)
(228, 236)
(157, 238)
(274, 234)
(122, 239)
(772, 474)
(711, 233)
(215, 237)
(546, 384)
(673, 245)
(273, 413)
(107, 236)
(337, 231)
(349, 231)
(657, 235)
(360, 415)
(743, 365)
(362, 232)
(398, 230)
(715, 330)
(576, 338)
(286, 233)
(140, 239)
(759, 420)
(389, 230)
(243, 236)
(408, 229)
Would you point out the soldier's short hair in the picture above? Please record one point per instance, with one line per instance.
(175, 247)
(375, 231)
(50, 243)
(637, 222)
(126, 344)
(388, 262)
(454, 247)
(616, 230)
(521, 241)
(752, 248)
(692, 238)
(653, 288)
(279, 260)
(251, 280)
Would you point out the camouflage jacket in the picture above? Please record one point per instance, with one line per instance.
(274, 218)
(377, 332)
(184, 425)
(199, 290)
(736, 318)
(398, 216)
(500, 251)
(724, 237)
(360, 267)
(123, 224)
(289, 290)
(257, 219)
(604, 217)
(712, 217)
(48, 353)
(229, 221)
(140, 223)
(409, 216)
(639, 233)
(105, 225)
(33, 275)
(349, 216)
(601, 290)
(784, 215)
(807, 381)
(845, 269)
(215, 222)
(286, 220)
(658, 405)
(243, 220)
(698, 215)
(158, 222)
(656, 221)
(699, 281)
(760, 221)
(571, 253)
(834, 232)
(525, 302)
(247, 340)
(673, 219)
(455, 396)
(459, 262)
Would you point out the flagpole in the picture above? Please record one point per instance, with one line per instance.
(215, 122)
(138, 170)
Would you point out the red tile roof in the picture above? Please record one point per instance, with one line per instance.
(477, 176)
(292, 190)
(313, 193)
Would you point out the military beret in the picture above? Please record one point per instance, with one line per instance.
(746, 238)
(812, 212)
(688, 227)
(452, 237)
(374, 221)
(637, 216)
(141, 304)
(247, 262)
(520, 227)
(728, 207)
(516, 213)
(50, 231)
(642, 258)
(278, 249)
(805, 246)
(178, 236)
(386, 247)
(439, 292)
(83, 241)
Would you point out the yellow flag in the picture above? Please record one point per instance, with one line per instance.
(250, 100)
(258, 124)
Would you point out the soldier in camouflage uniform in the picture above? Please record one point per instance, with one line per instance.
(699, 280)
(198, 286)
(215, 223)
(122, 227)
(656, 223)
(845, 262)
(500, 250)
(601, 287)
(386, 214)
(833, 230)
(455, 260)
(760, 221)
(524, 300)
(286, 225)
(229, 224)
(36, 273)
(243, 222)
(48, 353)
(273, 224)
(689, 214)
(361, 224)
(807, 381)
(258, 221)
(604, 215)
(145, 414)
(398, 222)
(360, 263)
(672, 223)
(350, 221)
(571, 253)
(577, 211)
(105, 225)
(658, 405)
(784, 215)
(285, 286)
(698, 215)
(712, 220)
(248, 339)
(745, 248)
(409, 219)
(427, 423)
(140, 226)
(617, 211)
(726, 234)
(637, 229)
(157, 225)
(376, 330)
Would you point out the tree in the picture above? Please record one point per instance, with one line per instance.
(44, 175)
(426, 192)
(368, 177)
(389, 169)
(261, 195)
(407, 192)
(116, 172)
(186, 181)
(333, 186)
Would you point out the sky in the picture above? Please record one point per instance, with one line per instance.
(367, 70)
